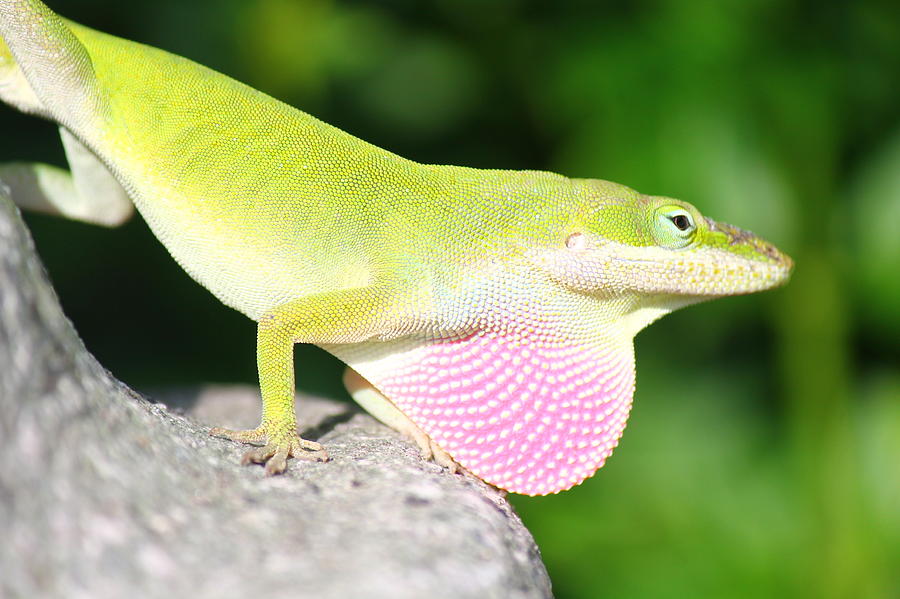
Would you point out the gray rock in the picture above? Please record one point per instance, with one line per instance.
(105, 494)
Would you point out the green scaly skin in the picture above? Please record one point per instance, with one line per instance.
(323, 238)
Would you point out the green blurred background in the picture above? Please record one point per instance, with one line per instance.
(762, 458)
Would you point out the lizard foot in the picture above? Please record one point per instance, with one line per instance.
(431, 451)
(275, 450)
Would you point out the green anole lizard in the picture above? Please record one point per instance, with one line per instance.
(489, 314)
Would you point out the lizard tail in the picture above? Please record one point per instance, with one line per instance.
(44, 69)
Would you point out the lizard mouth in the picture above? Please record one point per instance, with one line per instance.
(705, 272)
(729, 262)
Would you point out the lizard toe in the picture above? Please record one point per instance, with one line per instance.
(442, 458)
(259, 455)
(277, 462)
(256, 436)
(307, 450)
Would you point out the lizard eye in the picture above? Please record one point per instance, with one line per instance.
(675, 227)
(681, 221)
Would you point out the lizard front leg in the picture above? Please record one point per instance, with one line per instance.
(277, 431)
(345, 316)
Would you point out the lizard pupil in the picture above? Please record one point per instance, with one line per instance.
(681, 221)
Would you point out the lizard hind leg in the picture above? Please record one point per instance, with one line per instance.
(89, 193)
(379, 406)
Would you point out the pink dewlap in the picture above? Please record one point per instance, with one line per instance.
(530, 417)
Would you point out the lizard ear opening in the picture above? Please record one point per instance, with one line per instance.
(576, 241)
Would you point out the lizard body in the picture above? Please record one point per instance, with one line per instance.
(488, 313)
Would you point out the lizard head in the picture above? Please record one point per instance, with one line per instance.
(659, 250)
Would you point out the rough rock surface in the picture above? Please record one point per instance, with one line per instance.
(105, 494)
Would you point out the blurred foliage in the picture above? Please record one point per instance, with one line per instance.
(761, 459)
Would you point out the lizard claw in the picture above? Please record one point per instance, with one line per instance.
(275, 450)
